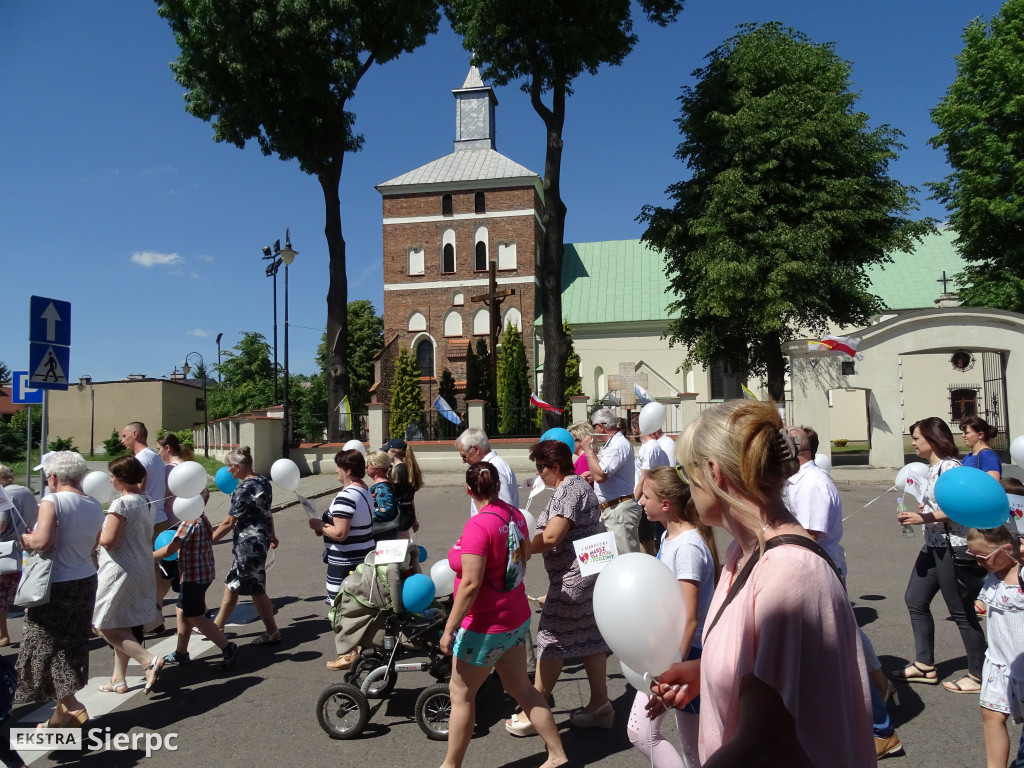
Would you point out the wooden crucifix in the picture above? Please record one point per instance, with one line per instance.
(492, 299)
(623, 383)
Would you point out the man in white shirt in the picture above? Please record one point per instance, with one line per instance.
(473, 446)
(614, 480)
(134, 437)
(813, 499)
(668, 445)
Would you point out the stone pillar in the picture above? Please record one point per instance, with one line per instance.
(688, 410)
(475, 413)
(579, 408)
(375, 424)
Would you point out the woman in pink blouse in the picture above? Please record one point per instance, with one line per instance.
(781, 681)
(490, 618)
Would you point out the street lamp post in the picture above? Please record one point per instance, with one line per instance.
(219, 337)
(278, 257)
(272, 267)
(206, 406)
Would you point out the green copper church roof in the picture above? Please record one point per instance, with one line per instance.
(621, 281)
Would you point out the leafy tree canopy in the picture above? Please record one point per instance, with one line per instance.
(787, 201)
(5, 373)
(406, 395)
(513, 384)
(979, 122)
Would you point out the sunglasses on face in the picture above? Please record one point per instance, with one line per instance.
(540, 467)
(985, 558)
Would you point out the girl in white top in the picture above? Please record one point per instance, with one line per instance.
(688, 549)
(1002, 682)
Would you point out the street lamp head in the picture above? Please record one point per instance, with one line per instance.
(277, 246)
(186, 369)
(288, 255)
(266, 252)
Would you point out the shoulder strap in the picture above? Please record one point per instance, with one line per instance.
(737, 585)
(806, 543)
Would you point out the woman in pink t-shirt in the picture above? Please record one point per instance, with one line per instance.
(782, 680)
(488, 623)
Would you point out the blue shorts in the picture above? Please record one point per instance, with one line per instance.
(484, 649)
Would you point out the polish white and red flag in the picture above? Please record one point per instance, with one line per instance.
(845, 344)
(534, 400)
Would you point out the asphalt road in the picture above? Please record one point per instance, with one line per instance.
(263, 712)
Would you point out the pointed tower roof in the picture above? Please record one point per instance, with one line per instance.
(474, 158)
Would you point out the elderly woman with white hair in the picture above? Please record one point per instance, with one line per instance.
(54, 660)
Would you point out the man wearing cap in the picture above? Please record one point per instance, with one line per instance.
(614, 479)
(473, 446)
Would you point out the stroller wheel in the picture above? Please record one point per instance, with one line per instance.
(433, 711)
(380, 687)
(342, 711)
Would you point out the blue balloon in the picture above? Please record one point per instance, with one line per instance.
(225, 480)
(423, 553)
(972, 498)
(163, 540)
(561, 435)
(417, 592)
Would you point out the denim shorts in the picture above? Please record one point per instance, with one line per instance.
(484, 649)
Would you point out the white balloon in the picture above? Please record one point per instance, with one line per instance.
(354, 445)
(823, 460)
(444, 578)
(651, 418)
(640, 612)
(641, 682)
(901, 478)
(1017, 450)
(97, 484)
(285, 473)
(917, 469)
(187, 479)
(531, 523)
(190, 508)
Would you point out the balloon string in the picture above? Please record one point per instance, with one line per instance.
(887, 490)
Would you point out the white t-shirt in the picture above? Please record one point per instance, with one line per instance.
(813, 499)
(688, 557)
(509, 491)
(616, 461)
(648, 457)
(156, 486)
(668, 445)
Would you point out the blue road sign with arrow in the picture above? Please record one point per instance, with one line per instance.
(49, 321)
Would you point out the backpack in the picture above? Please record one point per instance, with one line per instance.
(515, 565)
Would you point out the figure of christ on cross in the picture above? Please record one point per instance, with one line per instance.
(623, 383)
(492, 299)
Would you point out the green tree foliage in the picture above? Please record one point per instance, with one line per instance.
(787, 201)
(513, 384)
(979, 122)
(62, 444)
(248, 378)
(548, 45)
(406, 395)
(12, 443)
(19, 425)
(573, 379)
(365, 340)
(112, 446)
(283, 73)
(5, 373)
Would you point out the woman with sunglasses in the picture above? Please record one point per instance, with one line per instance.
(937, 570)
(567, 628)
(784, 684)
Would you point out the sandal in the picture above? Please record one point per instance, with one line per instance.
(344, 661)
(957, 687)
(520, 726)
(156, 666)
(264, 639)
(112, 687)
(926, 675)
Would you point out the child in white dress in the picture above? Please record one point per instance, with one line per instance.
(1002, 679)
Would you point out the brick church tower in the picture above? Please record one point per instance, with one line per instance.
(444, 222)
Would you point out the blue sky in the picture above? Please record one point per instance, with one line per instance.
(117, 200)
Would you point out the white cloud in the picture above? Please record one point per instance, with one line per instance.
(207, 259)
(199, 332)
(153, 259)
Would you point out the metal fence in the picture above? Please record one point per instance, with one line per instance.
(306, 428)
(428, 425)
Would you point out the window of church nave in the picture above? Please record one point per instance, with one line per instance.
(448, 251)
(425, 358)
(512, 317)
(479, 204)
(415, 255)
(446, 205)
(481, 323)
(506, 255)
(417, 322)
(458, 299)
(452, 323)
(480, 238)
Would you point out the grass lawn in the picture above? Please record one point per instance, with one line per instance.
(18, 467)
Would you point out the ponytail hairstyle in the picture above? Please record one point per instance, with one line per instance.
(408, 458)
(240, 456)
(667, 484)
(979, 425)
(482, 480)
(753, 450)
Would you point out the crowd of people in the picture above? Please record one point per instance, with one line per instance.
(770, 635)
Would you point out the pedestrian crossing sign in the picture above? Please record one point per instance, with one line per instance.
(48, 365)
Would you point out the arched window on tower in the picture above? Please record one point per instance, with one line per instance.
(448, 251)
(425, 358)
(479, 203)
(481, 257)
(446, 205)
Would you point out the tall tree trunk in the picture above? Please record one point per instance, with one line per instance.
(556, 343)
(337, 302)
(775, 364)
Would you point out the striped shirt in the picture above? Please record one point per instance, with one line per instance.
(354, 504)
(195, 558)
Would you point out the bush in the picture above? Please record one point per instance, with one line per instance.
(112, 445)
(840, 442)
(62, 444)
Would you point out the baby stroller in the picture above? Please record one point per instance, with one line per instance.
(368, 612)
